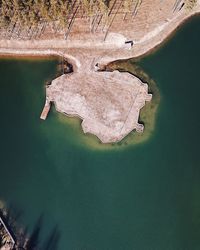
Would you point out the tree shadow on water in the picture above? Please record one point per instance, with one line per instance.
(50, 243)
(33, 242)
(25, 240)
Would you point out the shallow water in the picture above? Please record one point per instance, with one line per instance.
(144, 197)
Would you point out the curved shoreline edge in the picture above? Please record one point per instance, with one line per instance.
(76, 63)
(148, 116)
(142, 48)
(166, 39)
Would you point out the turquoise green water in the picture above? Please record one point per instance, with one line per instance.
(145, 197)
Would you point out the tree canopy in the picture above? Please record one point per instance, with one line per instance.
(30, 12)
(190, 4)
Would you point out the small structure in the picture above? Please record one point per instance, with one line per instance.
(46, 109)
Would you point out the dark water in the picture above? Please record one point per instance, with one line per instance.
(145, 197)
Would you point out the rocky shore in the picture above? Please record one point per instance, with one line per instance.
(12, 237)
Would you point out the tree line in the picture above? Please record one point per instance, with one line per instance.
(31, 12)
(190, 4)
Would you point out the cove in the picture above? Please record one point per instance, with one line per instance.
(145, 196)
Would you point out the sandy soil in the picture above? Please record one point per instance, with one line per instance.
(154, 22)
(109, 107)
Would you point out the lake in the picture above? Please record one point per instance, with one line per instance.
(140, 197)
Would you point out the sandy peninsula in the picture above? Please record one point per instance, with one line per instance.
(109, 107)
(108, 102)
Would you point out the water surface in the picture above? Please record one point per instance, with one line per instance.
(144, 197)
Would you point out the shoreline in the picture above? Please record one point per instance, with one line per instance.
(41, 53)
(148, 116)
(82, 60)
(166, 39)
(27, 57)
